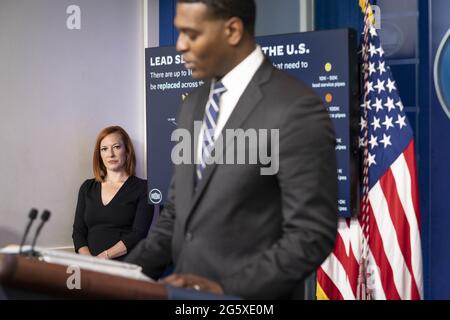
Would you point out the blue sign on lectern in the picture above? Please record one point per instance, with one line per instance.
(326, 60)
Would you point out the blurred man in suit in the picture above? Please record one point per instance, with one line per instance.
(228, 228)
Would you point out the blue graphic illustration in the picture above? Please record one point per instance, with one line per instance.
(442, 73)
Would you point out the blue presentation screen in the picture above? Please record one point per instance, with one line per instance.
(325, 60)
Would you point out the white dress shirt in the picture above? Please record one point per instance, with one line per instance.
(235, 82)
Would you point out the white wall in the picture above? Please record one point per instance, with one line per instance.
(58, 88)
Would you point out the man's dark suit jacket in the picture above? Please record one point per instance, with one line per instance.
(258, 236)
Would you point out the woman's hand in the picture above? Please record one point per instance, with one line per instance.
(84, 251)
(103, 255)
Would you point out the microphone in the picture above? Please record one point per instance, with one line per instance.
(44, 218)
(31, 216)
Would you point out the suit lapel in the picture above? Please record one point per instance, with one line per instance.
(246, 104)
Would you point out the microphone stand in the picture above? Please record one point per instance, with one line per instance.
(45, 216)
(31, 216)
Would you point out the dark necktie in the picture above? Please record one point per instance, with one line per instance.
(209, 126)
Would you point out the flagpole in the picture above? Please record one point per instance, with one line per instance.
(363, 292)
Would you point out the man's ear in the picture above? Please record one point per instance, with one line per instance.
(234, 30)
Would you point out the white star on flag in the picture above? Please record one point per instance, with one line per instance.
(378, 104)
(372, 159)
(372, 50)
(370, 87)
(381, 68)
(372, 68)
(387, 123)
(380, 51)
(363, 123)
(365, 104)
(391, 85)
(379, 86)
(373, 31)
(361, 142)
(376, 124)
(390, 104)
(373, 141)
(401, 121)
(386, 141)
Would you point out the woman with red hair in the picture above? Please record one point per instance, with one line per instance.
(112, 213)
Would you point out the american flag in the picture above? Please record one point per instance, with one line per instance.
(378, 255)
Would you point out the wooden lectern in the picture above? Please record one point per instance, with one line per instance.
(31, 276)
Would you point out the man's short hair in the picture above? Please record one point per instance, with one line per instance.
(243, 9)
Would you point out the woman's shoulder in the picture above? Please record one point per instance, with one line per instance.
(88, 184)
(138, 181)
